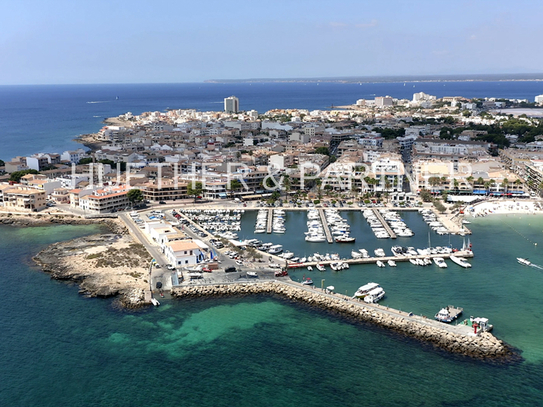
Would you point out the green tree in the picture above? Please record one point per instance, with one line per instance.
(2, 163)
(234, 185)
(135, 196)
(86, 160)
(505, 184)
(425, 195)
(433, 181)
(322, 150)
(195, 189)
(17, 175)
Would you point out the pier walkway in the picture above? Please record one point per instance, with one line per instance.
(370, 260)
(325, 226)
(270, 221)
(384, 223)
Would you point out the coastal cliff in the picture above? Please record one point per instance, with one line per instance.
(482, 346)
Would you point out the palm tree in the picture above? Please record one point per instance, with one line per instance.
(480, 181)
(470, 179)
(505, 183)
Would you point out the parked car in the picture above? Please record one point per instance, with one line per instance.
(230, 269)
(170, 267)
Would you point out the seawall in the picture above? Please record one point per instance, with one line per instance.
(483, 345)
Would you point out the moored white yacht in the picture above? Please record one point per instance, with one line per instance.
(440, 262)
(460, 261)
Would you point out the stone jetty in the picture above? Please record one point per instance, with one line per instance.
(456, 339)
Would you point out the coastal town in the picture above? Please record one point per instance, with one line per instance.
(173, 186)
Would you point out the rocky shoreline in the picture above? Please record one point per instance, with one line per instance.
(38, 219)
(482, 346)
(99, 264)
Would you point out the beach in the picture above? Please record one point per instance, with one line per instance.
(504, 207)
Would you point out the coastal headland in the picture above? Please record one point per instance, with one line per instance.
(110, 264)
(457, 339)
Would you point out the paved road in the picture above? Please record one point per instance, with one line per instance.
(162, 274)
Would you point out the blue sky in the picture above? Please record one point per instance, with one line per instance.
(58, 41)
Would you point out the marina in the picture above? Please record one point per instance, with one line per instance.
(325, 226)
(384, 223)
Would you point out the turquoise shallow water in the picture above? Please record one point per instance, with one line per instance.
(62, 349)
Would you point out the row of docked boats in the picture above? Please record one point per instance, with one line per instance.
(375, 224)
(396, 223)
(315, 230)
(339, 228)
(216, 221)
(390, 262)
(278, 221)
(261, 221)
(431, 219)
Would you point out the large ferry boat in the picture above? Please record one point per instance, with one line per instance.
(371, 292)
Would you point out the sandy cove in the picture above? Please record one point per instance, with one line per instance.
(504, 207)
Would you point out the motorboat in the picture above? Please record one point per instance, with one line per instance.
(391, 263)
(345, 239)
(315, 238)
(365, 289)
(374, 295)
(307, 281)
(355, 254)
(380, 263)
(440, 262)
(460, 261)
(379, 252)
(309, 268)
(364, 253)
(320, 267)
(524, 262)
(448, 314)
(275, 249)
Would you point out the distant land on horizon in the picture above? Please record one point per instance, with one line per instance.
(395, 78)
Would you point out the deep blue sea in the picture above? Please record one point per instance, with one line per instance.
(61, 349)
(47, 118)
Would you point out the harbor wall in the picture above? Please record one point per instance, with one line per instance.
(483, 345)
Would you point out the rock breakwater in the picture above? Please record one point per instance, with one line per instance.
(483, 346)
